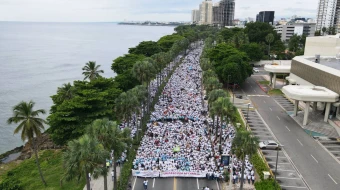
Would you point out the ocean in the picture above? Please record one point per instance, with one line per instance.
(36, 58)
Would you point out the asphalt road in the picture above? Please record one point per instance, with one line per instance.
(172, 183)
(317, 167)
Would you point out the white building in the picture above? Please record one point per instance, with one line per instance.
(330, 46)
(195, 16)
(206, 12)
(328, 14)
(287, 31)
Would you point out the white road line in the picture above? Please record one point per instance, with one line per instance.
(278, 118)
(287, 128)
(134, 183)
(286, 170)
(274, 156)
(254, 90)
(299, 142)
(277, 163)
(251, 86)
(332, 179)
(153, 184)
(287, 178)
(270, 109)
(264, 101)
(327, 146)
(218, 186)
(334, 151)
(198, 185)
(294, 187)
(314, 159)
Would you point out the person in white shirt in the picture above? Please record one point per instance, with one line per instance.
(112, 175)
(145, 184)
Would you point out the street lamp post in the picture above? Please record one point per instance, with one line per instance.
(247, 115)
(277, 158)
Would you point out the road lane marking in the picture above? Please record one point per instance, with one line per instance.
(278, 118)
(294, 187)
(287, 128)
(286, 170)
(218, 186)
(251, 86)
(277, 163)
(134, 183)
(198, 184)
(255, 91)
(175, 184)
(153, 184)
(332, 179)
(264, 101)
(287, 178)
(299, 142)
(270, 109)
(315, 159)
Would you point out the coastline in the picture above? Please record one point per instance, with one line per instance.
(6, 157)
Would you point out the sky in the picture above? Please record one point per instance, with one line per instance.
(139, 10)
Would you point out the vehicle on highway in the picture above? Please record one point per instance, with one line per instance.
(269, 145)
(256, 70)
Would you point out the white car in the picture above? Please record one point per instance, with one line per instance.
(256, 70)
(269, 145)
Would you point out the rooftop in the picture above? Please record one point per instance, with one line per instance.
(327, 61)
(310, 93)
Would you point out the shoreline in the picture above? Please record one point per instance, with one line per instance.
(8, 154)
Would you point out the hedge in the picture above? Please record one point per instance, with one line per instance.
(268, 184)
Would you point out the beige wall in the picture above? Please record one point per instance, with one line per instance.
(323, 45)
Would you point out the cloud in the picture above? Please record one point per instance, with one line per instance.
(119, 10)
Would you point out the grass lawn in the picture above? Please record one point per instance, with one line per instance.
(275, 92)
(51, 165)
(264, 82)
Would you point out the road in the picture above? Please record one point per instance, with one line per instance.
(318, 168)
(174, 184)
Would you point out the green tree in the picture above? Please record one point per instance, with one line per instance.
(269, 40)
(257, 32)
(225, 109)
(30, 126)
(104, 130)
(91, 70)
(317, 33)
(294, 43)
(253, 50)
(212, 83)
(144, 71)
(141, 93)
(208, 74)
(146, 48)
(324, 29)
(213, 96)
(82, 157)
(244, 144)
(92, 100)
(167, 41)
(124, 63)
(66, 92)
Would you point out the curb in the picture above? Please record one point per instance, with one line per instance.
(260, 86)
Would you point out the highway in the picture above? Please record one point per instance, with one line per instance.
(172, 183)
(317, 167)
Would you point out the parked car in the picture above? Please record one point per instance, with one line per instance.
(256, 70)
(269, 145)
(239, 96)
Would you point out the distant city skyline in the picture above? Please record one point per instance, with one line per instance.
(139, 10)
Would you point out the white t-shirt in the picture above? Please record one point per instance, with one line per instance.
(145, 182)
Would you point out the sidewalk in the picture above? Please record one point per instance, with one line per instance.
(98, 184)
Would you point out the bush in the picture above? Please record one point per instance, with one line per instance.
(11, 184)
(268, 184)
(259, 165)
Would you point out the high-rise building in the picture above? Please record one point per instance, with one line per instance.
(195, 16)
(287, 31)
(223, 13)
(206, 15)
(328, 15)
(265, 16)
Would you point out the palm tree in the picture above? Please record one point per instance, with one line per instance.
(324, 29)
(269, 40)
(121, 106)
(224, 108)
(132, 104)
(91, 70)
(141, 93)
(244, 144)
(207, 74)
(82, 157)
(144, 71)
(104, 130)
(30, 126)
(159, 60)
(66, 92)
(211, 84)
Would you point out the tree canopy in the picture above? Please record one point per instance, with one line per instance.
(146, 48)
(167, 41)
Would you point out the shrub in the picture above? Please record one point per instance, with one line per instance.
(10, 183)
(259, 165)
(268, 184)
